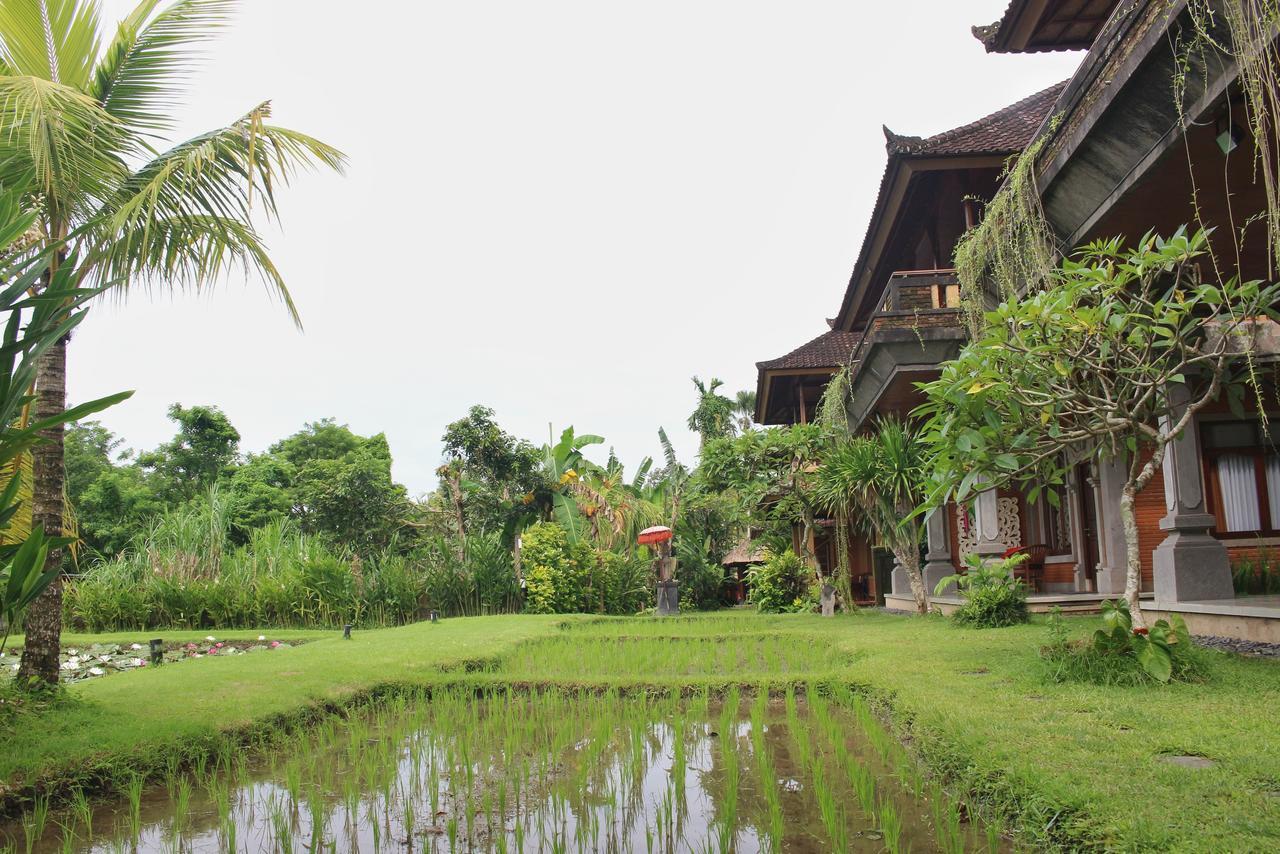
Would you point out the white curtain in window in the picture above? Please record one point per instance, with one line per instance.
(1239, 487)
(1273, 489)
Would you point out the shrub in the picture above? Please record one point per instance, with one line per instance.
(623, 582)
(1257, 575)
(1120, 655)
(558, 572)
(782, 584)
(701, 579)
(993, 598)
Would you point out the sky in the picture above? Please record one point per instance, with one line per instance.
(560, 210)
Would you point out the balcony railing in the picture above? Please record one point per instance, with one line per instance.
(913, 300)
(911, 291)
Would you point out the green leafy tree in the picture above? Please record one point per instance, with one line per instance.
(714, 416)
(80, 125)
(203, 452)
(1112, 359)
(259, 493)
(317, 440)
(488, 473)
(354, 499)
(772, 475)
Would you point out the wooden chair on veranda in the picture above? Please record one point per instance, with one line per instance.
(1031, 570)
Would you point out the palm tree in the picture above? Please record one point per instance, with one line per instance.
(744, 406)
(80, 125)
(714, 416)
(878, 480)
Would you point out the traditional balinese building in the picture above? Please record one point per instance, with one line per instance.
(1146, 136)
(900, 314)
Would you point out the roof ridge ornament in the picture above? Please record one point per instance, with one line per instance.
(898, 143)
(986, 34)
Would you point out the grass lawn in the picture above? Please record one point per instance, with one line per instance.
(1076, 766)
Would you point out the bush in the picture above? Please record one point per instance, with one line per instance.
(993, 598)
(782, 584)
(557, 571)
(1119, 655)
(701, 579)
(1257, 575)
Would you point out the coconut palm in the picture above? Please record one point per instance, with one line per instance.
(82, 122)
(713, 417)
(877, 481)
(744, 406)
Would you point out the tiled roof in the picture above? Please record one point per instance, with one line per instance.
(829, 350)
(1006, 130)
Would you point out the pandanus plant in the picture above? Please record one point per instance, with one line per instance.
(877, 480)
(82, 129)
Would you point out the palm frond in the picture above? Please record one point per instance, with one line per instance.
(58, 142)
(187, 214)
(55, 40)
(187, 251)
(144, 70)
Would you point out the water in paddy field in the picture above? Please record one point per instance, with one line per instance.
(544, 772)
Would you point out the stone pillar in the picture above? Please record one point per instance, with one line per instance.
(986, 511)
(899, 582)
(1112, 473)
(937, 565)
(1190, 563)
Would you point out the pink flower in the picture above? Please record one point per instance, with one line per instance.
(218, 644)
(191, 646)
(213, 650)
(275, 644)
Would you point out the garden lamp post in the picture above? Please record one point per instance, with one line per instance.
(664, 567)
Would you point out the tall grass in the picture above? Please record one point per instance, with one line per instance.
(184, 574)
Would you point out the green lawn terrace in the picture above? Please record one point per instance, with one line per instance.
(1067, 765)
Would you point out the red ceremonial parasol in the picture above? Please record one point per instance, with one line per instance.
(656, 534)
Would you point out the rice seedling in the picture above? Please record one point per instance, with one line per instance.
(33, 822)
(83, 812)
(133, 791)
(946, 821)
(891, 827)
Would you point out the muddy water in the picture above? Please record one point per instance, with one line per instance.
(546, 773)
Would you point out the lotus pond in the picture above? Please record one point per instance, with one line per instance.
(491, 768)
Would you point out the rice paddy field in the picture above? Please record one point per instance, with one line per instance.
(732, 732)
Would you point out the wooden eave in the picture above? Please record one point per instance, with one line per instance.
(885, 221)
(1036, 26)
(1117, 116)
(764, 386)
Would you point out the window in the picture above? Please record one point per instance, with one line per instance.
(1242, 470)
(1057, 521)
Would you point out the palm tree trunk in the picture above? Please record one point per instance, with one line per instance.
(910, 560)
(43, 624)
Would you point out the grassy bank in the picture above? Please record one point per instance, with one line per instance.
(1078, 766)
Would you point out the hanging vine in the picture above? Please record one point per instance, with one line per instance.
(1012, 247)
(1252, 26)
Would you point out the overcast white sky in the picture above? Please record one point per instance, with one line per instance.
(562, 210)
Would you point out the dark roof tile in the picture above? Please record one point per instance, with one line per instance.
(1007, 130)
(829, 350)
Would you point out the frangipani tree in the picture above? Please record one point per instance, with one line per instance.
(1112, 358)
(82, 124)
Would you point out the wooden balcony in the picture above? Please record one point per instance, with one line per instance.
(919, 324)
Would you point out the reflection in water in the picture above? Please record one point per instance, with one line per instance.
(544, 772)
